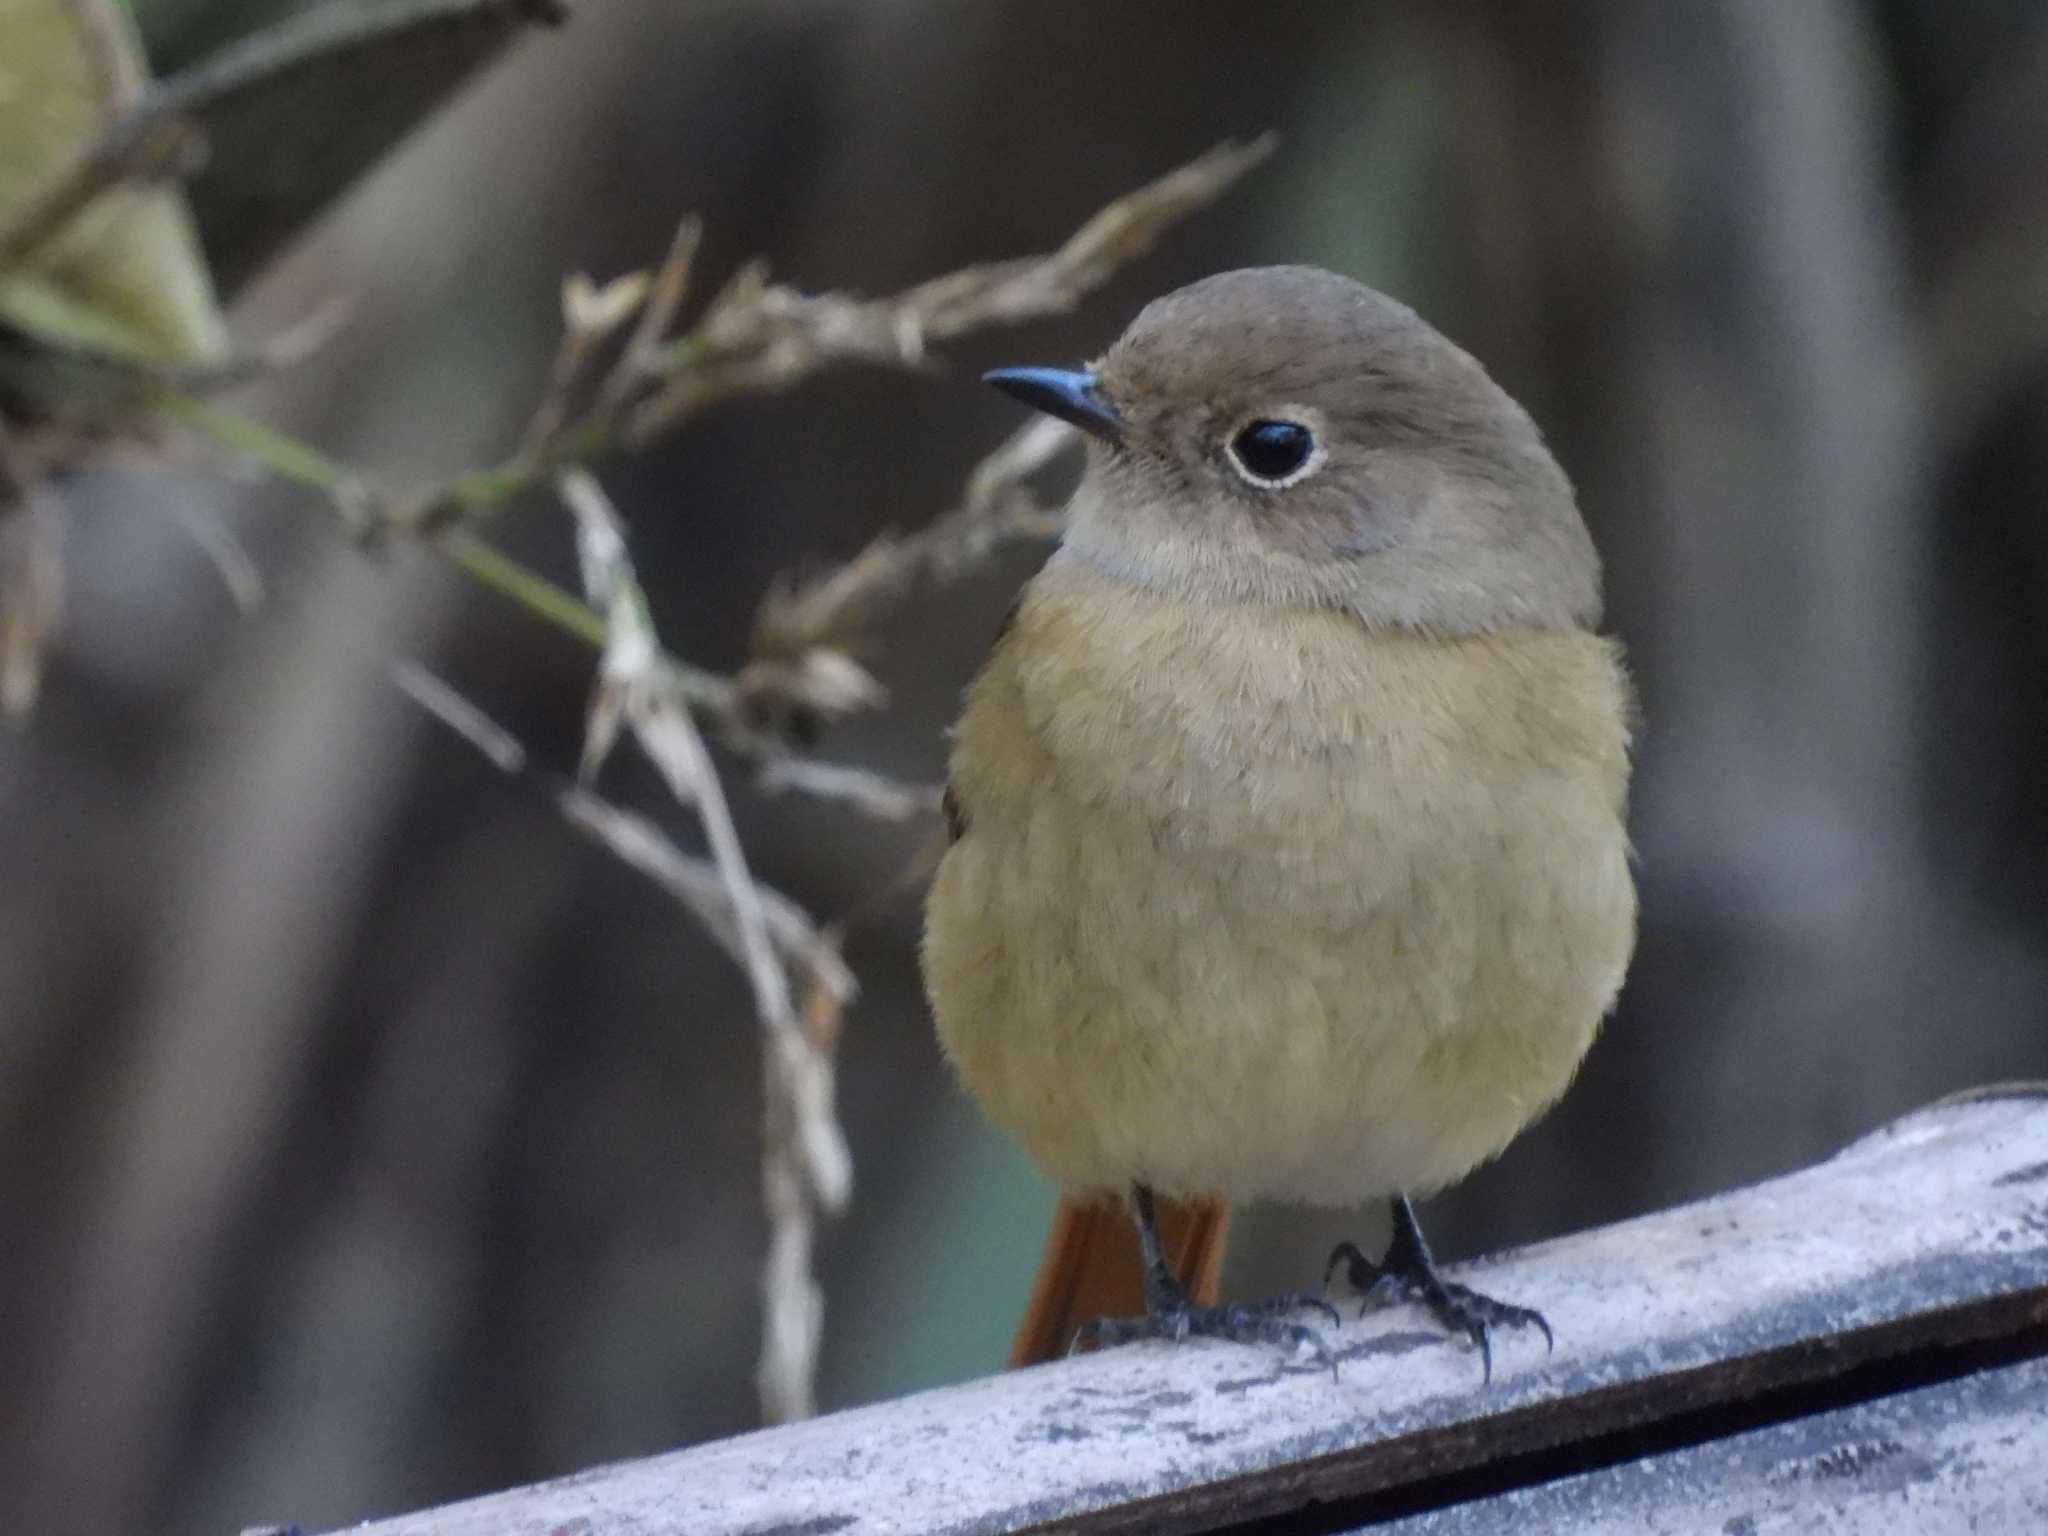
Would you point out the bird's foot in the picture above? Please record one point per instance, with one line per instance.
(1410, 1274)
(1173, 1317)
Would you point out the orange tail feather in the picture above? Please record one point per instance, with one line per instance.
(1091, 1268)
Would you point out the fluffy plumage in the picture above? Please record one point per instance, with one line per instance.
(1260, 903)
(1291, 858)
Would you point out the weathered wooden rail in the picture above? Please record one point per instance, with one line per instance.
(1860, 1346)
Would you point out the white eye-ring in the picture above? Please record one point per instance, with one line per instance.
(1275, 450)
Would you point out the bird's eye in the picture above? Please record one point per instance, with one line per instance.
(1272, 453)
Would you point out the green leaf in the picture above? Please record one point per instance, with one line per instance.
(299, 110)
(125, 275)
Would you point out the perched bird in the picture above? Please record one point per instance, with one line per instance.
(1288, 852)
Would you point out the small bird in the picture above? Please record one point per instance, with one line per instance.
(1288, 850)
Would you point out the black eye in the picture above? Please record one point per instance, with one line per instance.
(1272, 450)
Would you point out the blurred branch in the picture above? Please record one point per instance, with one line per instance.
(754, 337)
(734, 705)
(757, 337)
(881, 797)
(231, 561)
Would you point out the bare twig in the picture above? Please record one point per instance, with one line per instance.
(274, 354)
(698, 886)
(694, 882)
(232, 562)
(835, 609)
(757, 337)
(805, 1165)
(460, 716)
(671, 283)
(805, 636)
(589, 315)
(877, 794)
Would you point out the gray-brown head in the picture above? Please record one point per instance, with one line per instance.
(1286, 436)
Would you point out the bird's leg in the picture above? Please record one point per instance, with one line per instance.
(1171, 1314)
(1409, 1273)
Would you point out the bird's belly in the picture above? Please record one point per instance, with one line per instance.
(1261, 1002)
(1262, 905)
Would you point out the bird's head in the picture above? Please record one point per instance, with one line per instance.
(1289, 437)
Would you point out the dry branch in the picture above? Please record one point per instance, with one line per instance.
(805, 1163)
(835, 608)
(694, 882)
(757, 337)
(753, 336)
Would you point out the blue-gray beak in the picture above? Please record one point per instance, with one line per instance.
(1070, 395)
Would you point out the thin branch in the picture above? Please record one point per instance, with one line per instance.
(877, 794)
(697, 884)
(233, 563)
(462, 717)
(756, 337)
(590, 314)
(805, 1163)
(693, 882)
(671, 282)
(804, 635)
(836, 608)
(278, 353)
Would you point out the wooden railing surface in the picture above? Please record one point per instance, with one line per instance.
(1858, 1347)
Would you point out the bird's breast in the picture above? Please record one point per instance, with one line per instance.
(1260, 902)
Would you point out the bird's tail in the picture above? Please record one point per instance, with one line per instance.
(1091, 1268)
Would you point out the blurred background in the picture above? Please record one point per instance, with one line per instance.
(369, 1139)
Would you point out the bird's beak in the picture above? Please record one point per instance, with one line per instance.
(1070, 395)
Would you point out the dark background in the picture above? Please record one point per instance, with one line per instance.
(369, 1139)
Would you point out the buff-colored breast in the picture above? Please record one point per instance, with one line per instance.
(1259, 903)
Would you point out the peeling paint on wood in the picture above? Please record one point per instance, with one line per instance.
(1902, 1255)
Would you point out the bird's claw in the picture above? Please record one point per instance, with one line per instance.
(1458, 1308)
(1266, 1323)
